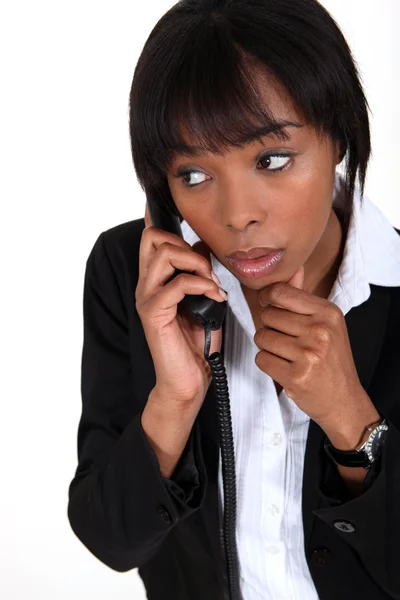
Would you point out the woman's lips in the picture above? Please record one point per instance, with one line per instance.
(256, 267)
(253, 252)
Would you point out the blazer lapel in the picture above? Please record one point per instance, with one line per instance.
(366, 325)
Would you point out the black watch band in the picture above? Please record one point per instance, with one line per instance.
(364, 456)
(350, 458)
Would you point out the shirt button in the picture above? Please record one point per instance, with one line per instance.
(272, 550)
(320, 557)
(273, 509)
(164, 514)
(344, 526)
(276, 439)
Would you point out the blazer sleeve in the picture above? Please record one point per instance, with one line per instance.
(374, 516)
(119, 505)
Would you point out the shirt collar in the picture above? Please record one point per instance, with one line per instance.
(372, 250)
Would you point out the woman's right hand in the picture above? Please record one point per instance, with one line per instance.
(175, 342)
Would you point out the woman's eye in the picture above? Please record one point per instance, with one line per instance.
(277, 162)
(194, 177)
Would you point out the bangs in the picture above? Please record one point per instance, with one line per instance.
(208, 94)
(217, 108)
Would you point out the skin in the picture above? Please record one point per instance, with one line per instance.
(237, 205)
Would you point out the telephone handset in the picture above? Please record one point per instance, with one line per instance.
(202, 309)
(210, 314)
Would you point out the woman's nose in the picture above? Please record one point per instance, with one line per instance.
(241, 206)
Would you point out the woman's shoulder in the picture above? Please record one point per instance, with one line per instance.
(118, 248)
(112, 267)
(125, 237)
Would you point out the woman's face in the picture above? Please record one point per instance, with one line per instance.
(240, 200)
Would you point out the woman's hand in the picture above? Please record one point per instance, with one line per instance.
(175, 342)
(305, 347)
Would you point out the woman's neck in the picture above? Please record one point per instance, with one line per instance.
(320, 271)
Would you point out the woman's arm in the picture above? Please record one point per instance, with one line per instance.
(118, 489)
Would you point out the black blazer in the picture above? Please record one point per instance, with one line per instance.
(129, 516)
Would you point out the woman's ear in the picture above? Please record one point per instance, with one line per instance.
(340, 151)
(147, 220)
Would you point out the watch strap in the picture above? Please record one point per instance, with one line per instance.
(361, 457)
(348, 458)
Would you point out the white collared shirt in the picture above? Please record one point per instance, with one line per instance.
(270, 434)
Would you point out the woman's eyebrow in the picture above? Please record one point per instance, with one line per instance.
(254, 135)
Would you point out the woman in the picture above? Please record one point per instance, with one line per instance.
(240, 113)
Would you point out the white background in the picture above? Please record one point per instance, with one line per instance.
(67, 175)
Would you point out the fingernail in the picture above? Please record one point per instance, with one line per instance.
(223, 293)
(215, 278)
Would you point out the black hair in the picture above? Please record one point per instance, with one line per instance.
(195, 71)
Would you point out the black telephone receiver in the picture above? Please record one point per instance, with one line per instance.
(203, 310)
(210, 314)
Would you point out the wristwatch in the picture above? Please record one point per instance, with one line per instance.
(364, 455)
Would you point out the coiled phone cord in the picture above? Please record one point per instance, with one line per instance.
(228, 464)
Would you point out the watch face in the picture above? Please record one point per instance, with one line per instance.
(377, 441)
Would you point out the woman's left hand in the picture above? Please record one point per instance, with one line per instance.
(306, 349)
